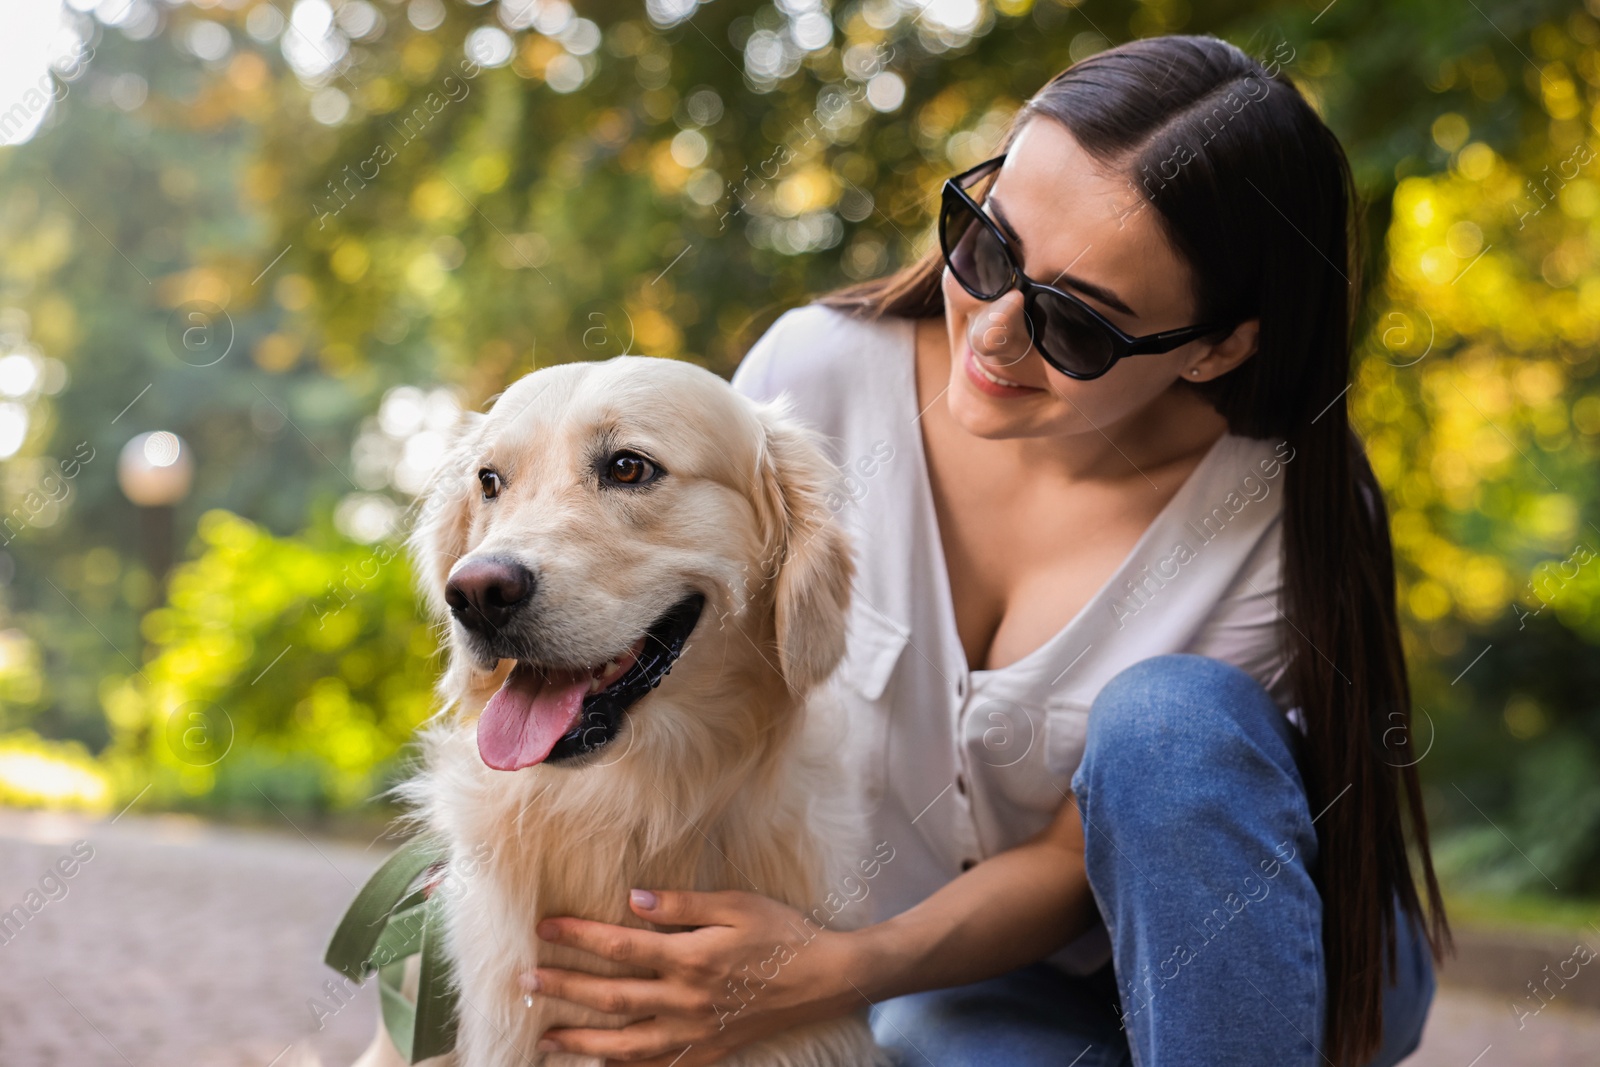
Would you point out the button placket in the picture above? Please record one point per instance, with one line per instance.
(965, 824)
(963, 687)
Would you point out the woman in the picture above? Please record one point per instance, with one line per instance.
(1116, 538)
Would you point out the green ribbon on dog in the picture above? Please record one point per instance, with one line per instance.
(388, 922)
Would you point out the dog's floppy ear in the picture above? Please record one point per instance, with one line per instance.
(439, 537)
(805, 546)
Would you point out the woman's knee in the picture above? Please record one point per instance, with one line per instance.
(1181, 730)
(1178, 705)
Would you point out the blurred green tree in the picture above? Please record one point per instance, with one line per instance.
(383, 199)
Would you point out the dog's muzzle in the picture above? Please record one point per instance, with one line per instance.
(546, 714)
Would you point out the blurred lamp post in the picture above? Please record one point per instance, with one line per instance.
(155, 471)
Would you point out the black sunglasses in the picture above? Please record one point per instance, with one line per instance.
(1072, 337)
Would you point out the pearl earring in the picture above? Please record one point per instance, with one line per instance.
(1194, 371)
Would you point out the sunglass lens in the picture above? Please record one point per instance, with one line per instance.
(975, 255)
(1068, 337)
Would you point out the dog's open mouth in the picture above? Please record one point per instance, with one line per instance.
(546, 714)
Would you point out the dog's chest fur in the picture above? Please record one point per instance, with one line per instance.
(529, 845)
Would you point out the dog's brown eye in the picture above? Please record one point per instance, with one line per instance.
(629, 468)
(490, 480)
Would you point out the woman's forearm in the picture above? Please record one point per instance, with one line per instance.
(1008, 911)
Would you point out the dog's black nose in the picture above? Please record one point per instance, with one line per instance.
(484, 593)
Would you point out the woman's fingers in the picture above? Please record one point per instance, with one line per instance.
(624, 944)
(653, 948)
(617, 996)
(682, 1019)
(691, 907)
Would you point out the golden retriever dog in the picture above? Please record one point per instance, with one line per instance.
(602, 525)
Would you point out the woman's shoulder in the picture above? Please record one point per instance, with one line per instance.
(820, 355)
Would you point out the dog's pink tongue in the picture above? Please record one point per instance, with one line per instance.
(524, 720)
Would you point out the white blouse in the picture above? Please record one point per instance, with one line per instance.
(961, 764)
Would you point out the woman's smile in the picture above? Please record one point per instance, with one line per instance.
(990, 383)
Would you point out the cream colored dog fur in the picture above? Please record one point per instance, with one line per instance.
(727, 776)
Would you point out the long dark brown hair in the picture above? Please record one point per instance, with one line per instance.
(1255, 193)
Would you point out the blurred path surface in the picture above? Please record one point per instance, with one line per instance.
(178, 942)
(1467, 1028)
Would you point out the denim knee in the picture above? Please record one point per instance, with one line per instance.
(1177, 709)
(1174, 736)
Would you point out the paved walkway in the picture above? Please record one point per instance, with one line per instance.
(176, 942)
(1471, 1029)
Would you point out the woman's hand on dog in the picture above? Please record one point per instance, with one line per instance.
(746, 972)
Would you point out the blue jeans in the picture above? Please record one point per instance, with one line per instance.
(1199, 845)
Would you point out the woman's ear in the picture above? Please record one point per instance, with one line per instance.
(809, 549)
(444, 515)
(1231, 351)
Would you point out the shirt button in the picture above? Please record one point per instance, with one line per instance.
(961, 687)
(967, 865)
(961, 784)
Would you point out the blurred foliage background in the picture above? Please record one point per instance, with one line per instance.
(292, 239)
